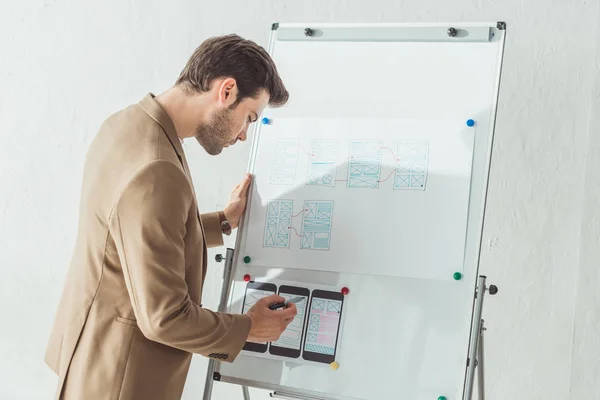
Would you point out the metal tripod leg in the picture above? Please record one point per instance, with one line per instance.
(480, 369)
(208, 384)
(475, 357)
(246, 393)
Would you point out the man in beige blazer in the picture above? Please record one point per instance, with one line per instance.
(130, 315)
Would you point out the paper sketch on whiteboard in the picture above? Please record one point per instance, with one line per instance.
(323, 325)
(414, 174)
(316, 226)
(278, 223)
(314, 336)
(322, 166)
(310, 226)
(364, 166)
(411, 167)
(285, 163)
(292, 336)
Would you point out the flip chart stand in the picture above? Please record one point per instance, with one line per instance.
(211, 375)
(476, 343)
(462, 60)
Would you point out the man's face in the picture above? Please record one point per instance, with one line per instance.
(227, 125)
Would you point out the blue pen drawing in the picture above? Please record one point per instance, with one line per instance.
(278, 223)
(411, 166)
(322, 167)
(316, 225)
(285, 162)
(364, 166)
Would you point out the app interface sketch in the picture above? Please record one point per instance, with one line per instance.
(292, 336)
(323, 322)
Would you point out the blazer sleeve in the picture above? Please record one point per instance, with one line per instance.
(212, 229)
(148, 225)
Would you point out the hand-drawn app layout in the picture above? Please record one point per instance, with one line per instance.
(278, 223)
(286, 160)
(323, 162)
(316, 225)
(411, 167)
(290, 341)
(323, 326)
(254, 292)
(364, 166)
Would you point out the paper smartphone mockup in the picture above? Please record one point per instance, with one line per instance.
(324, 316)
(289, 343)
(254, 292)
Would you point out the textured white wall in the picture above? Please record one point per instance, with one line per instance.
(585, 371)
(66, 64)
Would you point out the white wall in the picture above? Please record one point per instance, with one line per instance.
(66, 64)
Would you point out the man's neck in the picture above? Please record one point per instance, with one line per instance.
(186, 111)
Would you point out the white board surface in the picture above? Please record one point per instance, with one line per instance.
(330, 191)
(394, 243)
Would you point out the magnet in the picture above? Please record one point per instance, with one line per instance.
(266, 121)
(470, 122)
(247, 278)
(442, 398)
(345, 290)
(247, 259)
(457, 276)
(334, 365)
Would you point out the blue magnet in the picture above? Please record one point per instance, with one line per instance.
(470, 122)
(265, 121)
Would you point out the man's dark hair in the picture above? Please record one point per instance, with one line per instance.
(243, 60)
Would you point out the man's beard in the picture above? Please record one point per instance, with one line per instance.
(215, 134)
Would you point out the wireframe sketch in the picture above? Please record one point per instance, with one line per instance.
(292, 336)
(323, 326)
(411, 166)
(252, 296)
(285, 163)
(278, 223)
(364, 166)
(323, 161)
(316, 225)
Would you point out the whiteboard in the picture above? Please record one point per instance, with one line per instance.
(373, 178)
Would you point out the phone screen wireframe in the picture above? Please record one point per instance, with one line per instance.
(254, 292)
(289, 343)
(324, 316)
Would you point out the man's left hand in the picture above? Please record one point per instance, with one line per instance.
(237, 202)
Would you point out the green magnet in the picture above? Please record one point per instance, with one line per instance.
(443, 397)
(457, 276)
(247, 259)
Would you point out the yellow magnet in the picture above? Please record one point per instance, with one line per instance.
(334, 365)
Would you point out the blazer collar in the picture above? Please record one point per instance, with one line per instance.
(154, 110)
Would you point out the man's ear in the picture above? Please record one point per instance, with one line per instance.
(228, 92)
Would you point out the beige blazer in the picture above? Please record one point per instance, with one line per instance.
(130, 316)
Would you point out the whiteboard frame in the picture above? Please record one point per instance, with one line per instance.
(380, 32)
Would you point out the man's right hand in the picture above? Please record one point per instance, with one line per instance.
(268, 325)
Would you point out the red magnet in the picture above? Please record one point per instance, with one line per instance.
(345, 290)
(247, 278)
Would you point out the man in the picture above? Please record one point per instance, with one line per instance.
(130, 316)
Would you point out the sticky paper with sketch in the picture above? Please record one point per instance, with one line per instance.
(314, 334)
